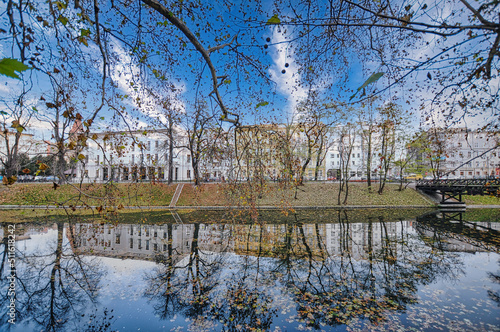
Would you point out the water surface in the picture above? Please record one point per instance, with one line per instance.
(322, 270)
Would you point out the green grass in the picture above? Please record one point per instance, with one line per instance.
(325, 194)
(481, 200)
(143, 194)
(243, 195)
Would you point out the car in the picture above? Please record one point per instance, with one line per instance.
(52, 178)
(414, 177)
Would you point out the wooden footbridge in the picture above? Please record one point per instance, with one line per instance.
(451, 191)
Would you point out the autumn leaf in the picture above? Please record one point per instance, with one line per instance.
(9, 181)
(274, 20)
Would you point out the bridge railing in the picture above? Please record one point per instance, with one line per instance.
(459, 182)
(461, 186)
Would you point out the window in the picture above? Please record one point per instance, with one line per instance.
(133, 159)
(147, 244)
(189, 174)
(131, 243)
(149, 145)
(156, 157)
(156, 144)
(353, 162)
(358, 155)
(117, 240)
(97, 160)
(125, 173)
(188, 158)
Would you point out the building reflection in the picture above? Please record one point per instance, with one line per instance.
(359, 240)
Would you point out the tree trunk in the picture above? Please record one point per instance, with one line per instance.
(170, 152)
(369, 162)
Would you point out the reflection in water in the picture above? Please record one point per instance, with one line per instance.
(239, 277)
(54, 282)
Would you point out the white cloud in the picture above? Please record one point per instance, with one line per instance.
(127, 75)
(289, 82)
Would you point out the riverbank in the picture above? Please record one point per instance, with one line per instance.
(207, 195)
(214, 196)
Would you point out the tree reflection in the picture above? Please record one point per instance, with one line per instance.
(246, 304)
(363, 280)
(495, 296)
(184, 285)
(55, 284)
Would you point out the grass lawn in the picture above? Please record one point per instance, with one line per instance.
(310, 194)
(146, 194)
(127, 194)
(481, 200)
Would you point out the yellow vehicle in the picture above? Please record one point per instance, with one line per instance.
(414, 177)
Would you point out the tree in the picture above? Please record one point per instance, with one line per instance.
(451, 48)
(368, 127)
(13, 137)
(198, 124)
(172, 117)
(345, 145)
(313, 121)
(389, 128)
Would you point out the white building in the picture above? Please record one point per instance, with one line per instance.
(471, 154)
(133, 156)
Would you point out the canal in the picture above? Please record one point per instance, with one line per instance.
(325, 270)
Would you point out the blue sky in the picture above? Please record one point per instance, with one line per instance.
(247, 83)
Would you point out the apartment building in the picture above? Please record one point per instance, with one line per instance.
(133, 156)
